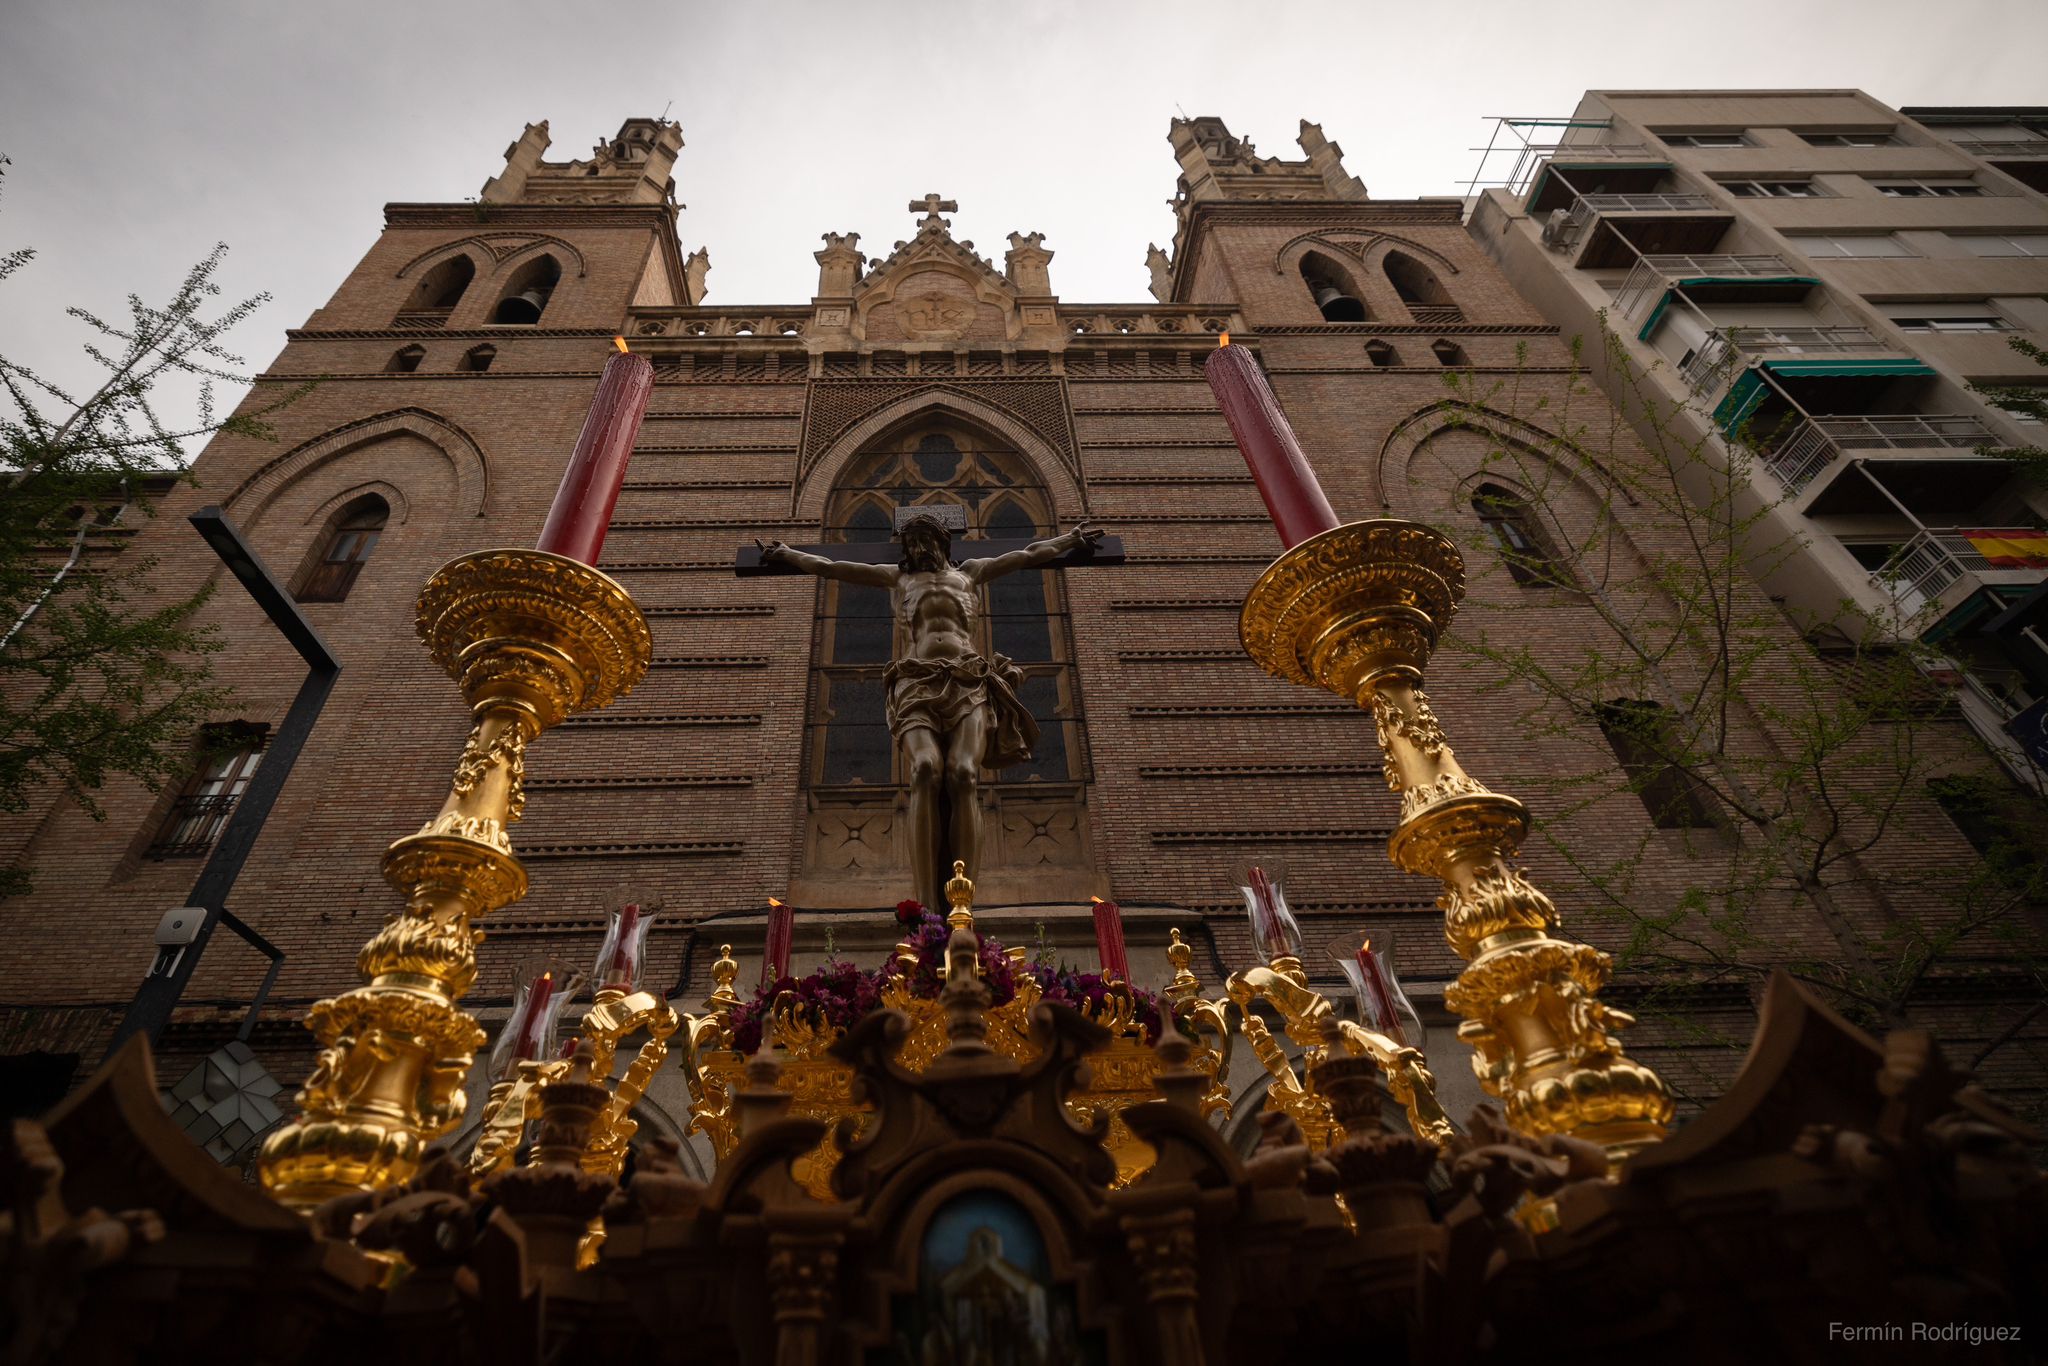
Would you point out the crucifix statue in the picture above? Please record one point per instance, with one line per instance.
(951, 709)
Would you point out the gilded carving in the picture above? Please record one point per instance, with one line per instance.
(1499, 899)
(531, 638)
(507, 747)
(1357, 610)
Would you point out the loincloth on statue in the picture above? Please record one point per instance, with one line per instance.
(940, 693)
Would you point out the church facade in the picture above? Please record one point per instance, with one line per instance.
(455, 363)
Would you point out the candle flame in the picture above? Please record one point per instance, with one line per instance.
(1223, 341)
(624, 349)
(775, 902)
(1095, 901)
(1366, 947)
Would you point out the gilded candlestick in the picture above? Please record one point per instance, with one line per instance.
(530, 638)
(1358, 610)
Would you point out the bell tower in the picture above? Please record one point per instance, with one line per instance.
(633, 166)
(544, 246)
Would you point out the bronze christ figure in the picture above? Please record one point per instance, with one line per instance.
(952, 710)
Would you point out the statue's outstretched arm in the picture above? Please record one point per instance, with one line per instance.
(1031, 556)
(846, 571)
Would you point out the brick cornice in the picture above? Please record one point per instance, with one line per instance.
(528, 215)
(459, 334)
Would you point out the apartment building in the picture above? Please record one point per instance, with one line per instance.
(1817, 278)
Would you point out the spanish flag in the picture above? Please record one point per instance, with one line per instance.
(2011, 547)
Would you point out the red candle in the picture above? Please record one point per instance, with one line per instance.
(529, 1027)
(582, 512)
(1109, 940)
(1382, 995)
(1294, 499)
(622, 970)
(1264, 923)
(781, 926)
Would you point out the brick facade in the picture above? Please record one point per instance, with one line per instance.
(693, 791)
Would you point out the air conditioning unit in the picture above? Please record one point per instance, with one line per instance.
(1554, 234)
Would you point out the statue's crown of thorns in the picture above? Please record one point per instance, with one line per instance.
(942, 520)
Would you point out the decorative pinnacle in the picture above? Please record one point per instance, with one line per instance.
(960, 896)
(723, 973)
(1181, 955)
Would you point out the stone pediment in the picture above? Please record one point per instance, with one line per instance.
(934, 288)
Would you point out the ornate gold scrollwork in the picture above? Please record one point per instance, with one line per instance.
(530, 638)
(1358, 610)
(1312, 1023)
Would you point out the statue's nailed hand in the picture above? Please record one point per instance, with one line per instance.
(771, 550)
(1083, 537)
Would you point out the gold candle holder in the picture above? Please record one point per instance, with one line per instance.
(1358, 610)
(530, 638)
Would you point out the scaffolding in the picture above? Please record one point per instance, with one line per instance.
(1518, 148)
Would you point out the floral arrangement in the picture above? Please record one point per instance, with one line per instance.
(840, 994)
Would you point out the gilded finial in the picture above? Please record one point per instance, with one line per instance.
(960, 896)
(723, 973)
(1181, 954)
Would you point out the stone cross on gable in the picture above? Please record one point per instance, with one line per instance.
(933, 206)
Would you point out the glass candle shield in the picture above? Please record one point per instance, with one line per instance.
(1383, 1006)
(539, 992)
(622, 957)
(1275, 933)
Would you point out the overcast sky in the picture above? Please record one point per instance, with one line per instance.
(142, 133)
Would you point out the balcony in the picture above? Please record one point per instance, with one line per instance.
(194, 823)
(1710, 278)
(1819, 442)
(1938, 569)
(1998, 150)
(1609, 230)
(1729, 349)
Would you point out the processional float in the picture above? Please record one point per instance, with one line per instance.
(534, 636)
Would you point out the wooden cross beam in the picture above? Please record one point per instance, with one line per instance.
(1108, 550)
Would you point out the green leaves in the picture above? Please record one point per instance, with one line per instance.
(103, 676)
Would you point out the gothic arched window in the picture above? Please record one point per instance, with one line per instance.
(441, 288)
(1023, 615)
(527, 293)
(344, 550)
(1330, 286)
(1418, 287)
(1512, 524)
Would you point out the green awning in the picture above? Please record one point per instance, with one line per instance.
(1657, 313)
(1890, 366)
(1750, 387)
(1742, 399)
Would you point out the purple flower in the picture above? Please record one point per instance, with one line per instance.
(841, 994)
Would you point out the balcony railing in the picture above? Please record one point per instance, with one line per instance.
(1931, 563)
(2018, 147)
(1573, 225)
(1646, 281)
(1673, 202)
(1726, 350)
(1818, 442)
(1596, 151)
(193, 825)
